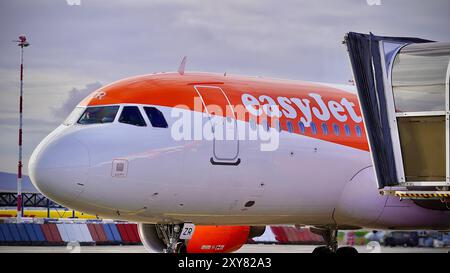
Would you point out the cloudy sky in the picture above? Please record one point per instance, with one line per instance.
(76, 49)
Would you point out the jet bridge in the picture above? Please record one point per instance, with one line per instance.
(403, 90)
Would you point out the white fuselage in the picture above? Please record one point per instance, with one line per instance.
(305, 181)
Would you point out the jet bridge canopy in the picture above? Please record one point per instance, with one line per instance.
(403, 89)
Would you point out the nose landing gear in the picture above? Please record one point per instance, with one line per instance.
(170, 234)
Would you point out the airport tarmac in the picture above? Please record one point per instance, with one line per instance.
(249, 248)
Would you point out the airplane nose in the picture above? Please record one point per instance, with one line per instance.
(58, 168)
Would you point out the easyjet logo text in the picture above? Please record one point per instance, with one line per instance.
(314, 106)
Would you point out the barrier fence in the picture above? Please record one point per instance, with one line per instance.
(62, 233)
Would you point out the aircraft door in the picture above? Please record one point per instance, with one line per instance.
(224, 125)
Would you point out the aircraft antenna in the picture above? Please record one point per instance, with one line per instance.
(182, 66)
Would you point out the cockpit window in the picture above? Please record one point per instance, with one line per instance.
(132, 115)
(99, 114)
(156, 117)
(74, 116)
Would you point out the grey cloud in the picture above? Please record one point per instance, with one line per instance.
(292, 39)
(75, 96)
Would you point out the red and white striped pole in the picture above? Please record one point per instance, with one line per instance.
(22, 42)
